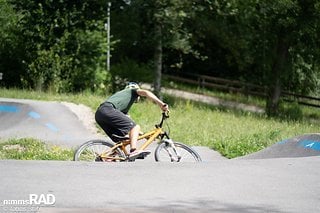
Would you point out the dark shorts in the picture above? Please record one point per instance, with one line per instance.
(113, 121)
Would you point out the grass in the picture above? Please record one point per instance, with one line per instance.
(32, 149)
(232, 133)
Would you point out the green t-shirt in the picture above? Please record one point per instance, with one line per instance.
(123, 99)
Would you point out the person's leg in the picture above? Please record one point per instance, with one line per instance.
(134, 153)
(104, 119)
(134, 134)
(115, 122)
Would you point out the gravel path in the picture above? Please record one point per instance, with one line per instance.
(208, 99)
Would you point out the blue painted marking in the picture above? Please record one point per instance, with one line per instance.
(6, 108)
(34, 115)
(310, 144)
(52, 127)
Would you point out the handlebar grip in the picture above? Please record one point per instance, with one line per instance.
(166, 114)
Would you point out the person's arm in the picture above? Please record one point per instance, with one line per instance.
(154, 98)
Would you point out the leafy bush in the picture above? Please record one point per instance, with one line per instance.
(62, 45)
(74, 63)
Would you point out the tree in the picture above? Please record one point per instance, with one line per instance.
(294, 33)
(64, 41)
(270, 42)
(169, 18)
(155, 27)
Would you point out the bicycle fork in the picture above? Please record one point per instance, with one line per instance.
(169, 147)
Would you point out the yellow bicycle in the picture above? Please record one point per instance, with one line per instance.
(117, 150)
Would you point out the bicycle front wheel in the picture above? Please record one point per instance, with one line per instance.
(175, 152)
(98, 150)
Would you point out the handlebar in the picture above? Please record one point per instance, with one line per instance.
(165, 115)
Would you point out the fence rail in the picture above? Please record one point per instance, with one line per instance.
(204, 81)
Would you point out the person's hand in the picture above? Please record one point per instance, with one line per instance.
(165, 107)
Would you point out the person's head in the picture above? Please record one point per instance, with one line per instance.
(132, 85)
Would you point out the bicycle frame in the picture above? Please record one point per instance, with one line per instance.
(150, 136)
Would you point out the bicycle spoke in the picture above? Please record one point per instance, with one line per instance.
(97, 150)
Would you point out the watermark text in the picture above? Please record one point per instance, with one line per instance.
(32, 204)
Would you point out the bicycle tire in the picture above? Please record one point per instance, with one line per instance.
(164, 150)
(92, 150)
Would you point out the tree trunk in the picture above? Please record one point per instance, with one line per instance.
(274, 92)
(158, 61)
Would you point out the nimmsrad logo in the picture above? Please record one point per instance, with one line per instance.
(34, 202)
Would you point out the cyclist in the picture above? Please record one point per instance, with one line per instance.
(112, 116)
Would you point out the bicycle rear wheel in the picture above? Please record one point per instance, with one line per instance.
(166, 152)
(98, 150)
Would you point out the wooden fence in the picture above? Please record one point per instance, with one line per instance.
(204, 81)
